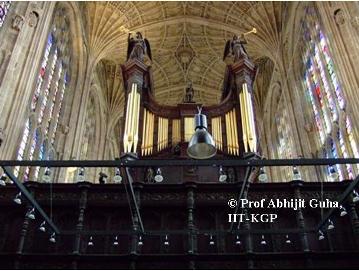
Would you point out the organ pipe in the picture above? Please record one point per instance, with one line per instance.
(162, 140)
(232, 133)
(188, 128)
(217, 132)
(147, 133)
(130, 138)
(176, 131)
(248, 126)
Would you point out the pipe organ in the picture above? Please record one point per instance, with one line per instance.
(151, 129)
(188, 128)
(147, 133)
(176, 131)
(232, 134)
(162, 140)
(217, 132)
(130, 137)
(248, 123)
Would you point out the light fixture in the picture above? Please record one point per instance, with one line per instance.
(320, 236)
(355, 196)
(238, 241)
(140, 242)
(201, 144)
(90, 242)
(330, 224)
(53, 238)
(296, 174)
(262, 175)
(81, 175)
(343, 211)
(17, 198)
(2, 180)
(333, 174)
(115, 242)
(102, 178)
(166, 242)
(42, 227)
(263, 241)
(118, 177)
(222, 175)
(31, 214)
(158, 177)
(46, 178)
(287, 240)
(211, 241)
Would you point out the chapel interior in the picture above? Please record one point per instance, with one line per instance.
(128, 127)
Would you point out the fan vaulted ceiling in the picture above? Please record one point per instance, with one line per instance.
(187, 39)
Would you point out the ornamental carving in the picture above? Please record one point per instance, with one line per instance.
(339, 17)
(18, 22)
(33, 19)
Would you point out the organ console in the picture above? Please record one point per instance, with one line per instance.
(152, 129)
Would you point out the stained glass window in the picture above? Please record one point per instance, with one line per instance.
(285, 139)
(46, 103)
(4, 8)
(325, 96)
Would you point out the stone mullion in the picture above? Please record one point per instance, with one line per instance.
(54, 118)
(45, 82)
(52, 91)
(27, 148)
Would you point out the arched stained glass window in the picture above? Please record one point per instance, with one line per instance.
(4, 8)
(325, 96)
(285, 139)
(46, 103)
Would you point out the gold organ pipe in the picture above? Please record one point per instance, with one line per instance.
(234, 126)
(229, 138)
(232, 131)
(166, 133)
(236, 130)
(152, 131)
(127, 135)
(220, 132)
(159, 134)
(162, 132)
(143, 146)
(244, 117)
(132, 118)
(148, 130)
(214, 131)
(252, 134)
(136, 120)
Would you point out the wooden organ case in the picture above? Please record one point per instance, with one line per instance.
(151, 130)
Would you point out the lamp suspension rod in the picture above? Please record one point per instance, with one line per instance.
(340, 199)
(30, 198)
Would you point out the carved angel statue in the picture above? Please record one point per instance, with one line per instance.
(235, 48)
(138, 47)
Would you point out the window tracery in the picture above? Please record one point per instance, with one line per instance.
(326, 98)
(38, 137)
